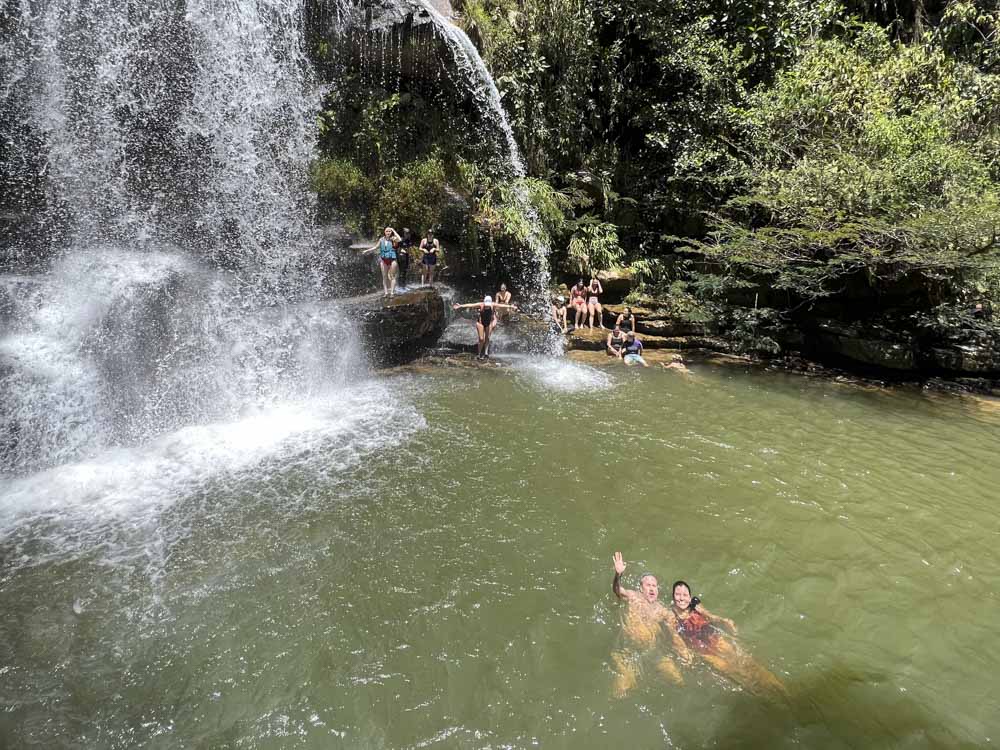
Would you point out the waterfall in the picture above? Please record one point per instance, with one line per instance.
(175, 143)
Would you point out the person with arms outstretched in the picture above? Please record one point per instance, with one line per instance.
(486, 321)
(644, 625)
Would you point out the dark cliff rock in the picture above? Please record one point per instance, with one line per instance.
(399, 328)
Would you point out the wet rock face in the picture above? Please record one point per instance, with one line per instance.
(396, 330)
(653, 322)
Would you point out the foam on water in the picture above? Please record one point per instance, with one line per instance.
(131, 487)
(562, 375)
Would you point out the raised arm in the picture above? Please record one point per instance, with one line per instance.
(471, 304)
(616, 584)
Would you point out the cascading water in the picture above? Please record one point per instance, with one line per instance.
(176, 142)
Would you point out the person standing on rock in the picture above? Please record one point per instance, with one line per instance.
(503, 298)
(632, 353)
(594, 289)
(429, 248)
(643, 625)
(386, 248)
(403, 256)
(486, 321)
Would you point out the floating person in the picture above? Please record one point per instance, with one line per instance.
(559, 313)
(616, 342)
(626, 319)
(503, 298)
(578, 299)
(429, 249)
(644, 625)
(702, 634)
(486, 321)
(403, 256)
(386, 247)
(632, 353)
(676, 363)
(594, 290)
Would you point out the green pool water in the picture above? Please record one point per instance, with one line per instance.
(437, 572)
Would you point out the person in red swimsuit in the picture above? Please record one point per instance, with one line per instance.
(578, 301)
(701, 632)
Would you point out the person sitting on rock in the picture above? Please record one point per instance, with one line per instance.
(559, 313)
(626, 319)
(593, 303)
(632, 353)
(429, 249)
(615, 342)
(386, 248)
(503, 298)
(486, 321)
(578, 299)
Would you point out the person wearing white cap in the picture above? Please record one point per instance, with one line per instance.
(485, 322)
(559, 313)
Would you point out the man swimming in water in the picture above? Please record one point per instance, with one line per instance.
(642, 627)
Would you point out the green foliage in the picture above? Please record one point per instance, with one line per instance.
(414, 195)
(594, 246)
(867, 156)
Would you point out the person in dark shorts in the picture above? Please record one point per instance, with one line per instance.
(429, 249)
(486, 321)
(406, 246)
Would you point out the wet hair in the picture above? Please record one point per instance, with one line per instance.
(628, 310)
(632, 334)
(579, 282)
(503, 287)
(695, 601)
(646, 575)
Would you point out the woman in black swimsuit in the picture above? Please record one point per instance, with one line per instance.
(486, 321)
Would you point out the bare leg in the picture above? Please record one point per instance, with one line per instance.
(385, 277)
(393, 270)
(590, 315)
(482, 338)
(489, 332)
(669, 670)
(430, 275)
(625, 674)
(600, 315)
(743, 670)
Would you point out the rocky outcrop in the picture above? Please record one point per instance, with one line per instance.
(867, 346)
(651, 321)
(596, 340)
(398, 329)
(616, 282)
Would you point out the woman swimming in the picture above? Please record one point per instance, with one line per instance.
(701, 632)
(486, 321)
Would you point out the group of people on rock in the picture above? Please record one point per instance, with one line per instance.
(692, 631)
(488, 314)
(585, 301)
(394, 251)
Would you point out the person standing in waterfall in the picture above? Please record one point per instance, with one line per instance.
(429, 248)
(503, 298)
(486, 321)
(386, 248)
(403, 256)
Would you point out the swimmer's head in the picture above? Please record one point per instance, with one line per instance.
(560, 299)
(503, 287)
(649, 587)
(681, 594)
(487, 300)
